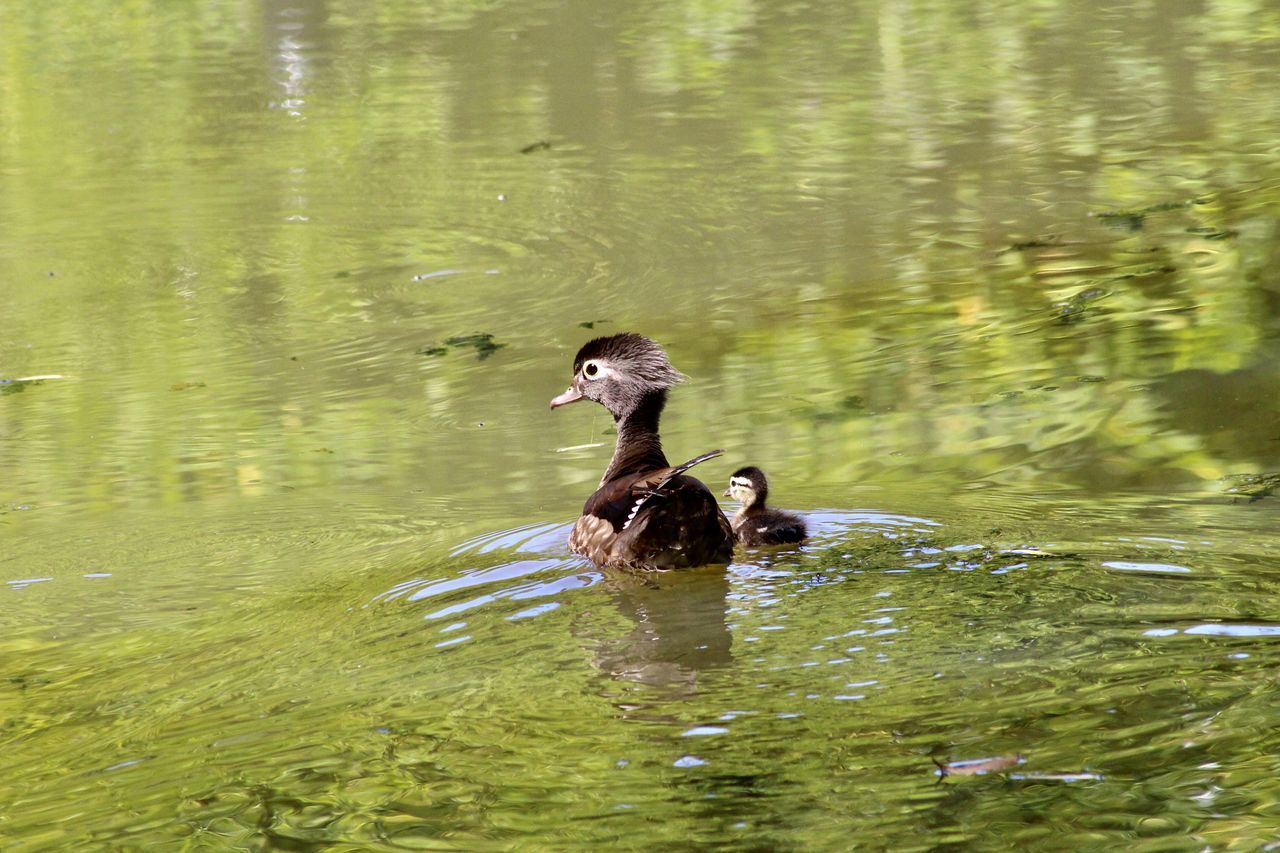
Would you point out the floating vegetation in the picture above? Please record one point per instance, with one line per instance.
(1072, 310)
(14, 386)
(1253, 486)
(1213, 233)
(1048, 242)
(849, 406)
(185, 386)
(1146, 272)
(540, 145)
(977, 766)
(481, 342)
(590, 324)
(1133, 220)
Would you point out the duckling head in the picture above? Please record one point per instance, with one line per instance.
(619, 372)
(748, 486)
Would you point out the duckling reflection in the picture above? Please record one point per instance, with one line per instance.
(679, 627)
(755, 523)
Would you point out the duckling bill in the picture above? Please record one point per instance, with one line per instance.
(755, 523)
(647, 513)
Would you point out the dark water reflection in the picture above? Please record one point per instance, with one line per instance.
(282, 533)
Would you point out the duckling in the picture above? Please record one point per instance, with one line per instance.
(754, 523)
(646, 513)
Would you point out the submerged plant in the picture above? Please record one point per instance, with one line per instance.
(482, 342)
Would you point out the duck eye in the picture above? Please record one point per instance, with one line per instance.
(591, 369)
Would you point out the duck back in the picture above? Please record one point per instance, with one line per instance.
(653, 520)
(769, 527)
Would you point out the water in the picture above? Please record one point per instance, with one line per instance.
(989, 291)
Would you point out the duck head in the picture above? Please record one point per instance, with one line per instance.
(748, 486)
(619, 372)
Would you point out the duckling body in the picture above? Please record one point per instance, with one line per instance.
(647, 513)
(755, 524)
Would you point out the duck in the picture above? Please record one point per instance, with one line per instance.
(646, 513)
(754, 523)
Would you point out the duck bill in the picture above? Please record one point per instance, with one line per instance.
(573, 395)
(726, 494)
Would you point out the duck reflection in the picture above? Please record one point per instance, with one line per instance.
(679, 627)
(673, 622)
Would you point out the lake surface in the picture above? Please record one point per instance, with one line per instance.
(992, 291)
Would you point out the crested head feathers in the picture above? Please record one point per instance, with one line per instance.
(632, 354)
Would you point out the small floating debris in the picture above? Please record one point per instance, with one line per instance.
(977, 766)
(437, 274)
(688, 761)
(13, 386)
(590, 324)
(1056, 777)
(23, 583)
(433, 351)
(540, 145)
(1153, 568)
(185, 386)
(1073, 308)
(1217, 629)
(574, 447)
(122, 765)
(1038, 553)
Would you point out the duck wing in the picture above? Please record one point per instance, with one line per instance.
(667, 477)
(654, 519)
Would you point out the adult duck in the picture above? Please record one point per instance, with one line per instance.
(647, 513)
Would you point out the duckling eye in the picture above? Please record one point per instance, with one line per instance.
(591, 369)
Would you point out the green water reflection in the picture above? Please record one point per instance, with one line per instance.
(282, 535)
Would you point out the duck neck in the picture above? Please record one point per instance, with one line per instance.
(639, 448)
